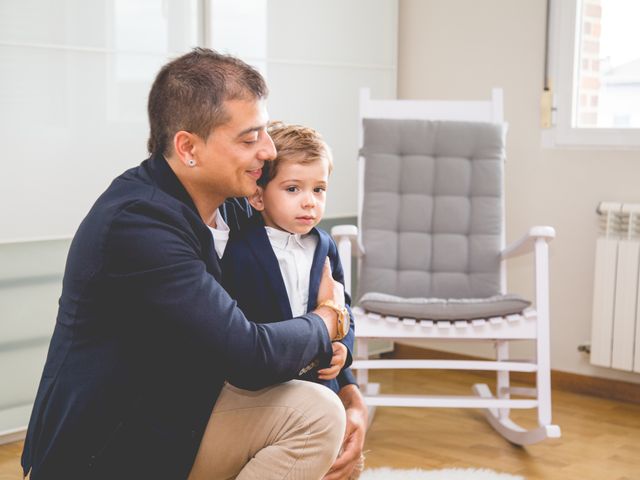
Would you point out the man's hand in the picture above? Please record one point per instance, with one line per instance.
(353, 443)
(337, 362)
(329, 290)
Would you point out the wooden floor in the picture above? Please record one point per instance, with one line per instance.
(600, 438)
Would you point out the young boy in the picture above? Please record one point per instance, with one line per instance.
(272, 266)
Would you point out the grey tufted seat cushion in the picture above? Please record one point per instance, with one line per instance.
(432, 220)
(443, 309)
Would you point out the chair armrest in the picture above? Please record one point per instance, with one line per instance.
(346, 237)
(349, 233)
(527, 242)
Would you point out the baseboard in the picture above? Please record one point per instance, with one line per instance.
(569, 382)
(13, 436)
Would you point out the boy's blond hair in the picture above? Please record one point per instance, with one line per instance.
(296, 144)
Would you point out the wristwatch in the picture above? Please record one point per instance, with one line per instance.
(343, 318)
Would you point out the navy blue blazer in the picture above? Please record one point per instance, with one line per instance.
(145, 337)
(251, 275)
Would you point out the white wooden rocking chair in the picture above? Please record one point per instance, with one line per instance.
(431, 243)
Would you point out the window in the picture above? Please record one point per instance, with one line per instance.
(73, 87)
(595, 73)
(316, 56)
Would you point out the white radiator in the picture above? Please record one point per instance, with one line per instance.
(615, 329)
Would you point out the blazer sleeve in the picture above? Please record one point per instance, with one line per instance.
(153, 258)
(346, 377)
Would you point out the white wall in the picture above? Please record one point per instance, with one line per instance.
(30, 285)
(74, 77)
(460, 49)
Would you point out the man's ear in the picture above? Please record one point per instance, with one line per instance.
(256, 199)
(184, 147)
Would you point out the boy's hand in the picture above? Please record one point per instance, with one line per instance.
(337, 362)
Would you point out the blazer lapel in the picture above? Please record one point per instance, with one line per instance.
(322, 250)
(160, 172)
(213, 263)
(263, 252)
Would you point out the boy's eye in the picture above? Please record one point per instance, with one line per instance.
(320, 189)
(292, 189)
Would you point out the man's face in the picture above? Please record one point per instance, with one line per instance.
(295, 198)
(233, 155)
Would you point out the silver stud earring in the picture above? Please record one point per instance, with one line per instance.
(191, 162)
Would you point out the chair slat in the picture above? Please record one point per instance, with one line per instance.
(447, 401)
(489, 365)
(525, 391)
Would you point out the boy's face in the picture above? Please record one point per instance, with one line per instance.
(295, 198)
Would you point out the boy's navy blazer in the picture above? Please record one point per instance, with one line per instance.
(145, 338)
(251, 275)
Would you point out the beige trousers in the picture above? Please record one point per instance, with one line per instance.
(289, 431)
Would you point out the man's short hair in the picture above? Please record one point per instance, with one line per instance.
(189, 92)
(296, 144)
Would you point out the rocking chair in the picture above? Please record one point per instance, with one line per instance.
(430, 244)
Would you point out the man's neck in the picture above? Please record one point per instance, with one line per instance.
(206, 202)
(207, 207)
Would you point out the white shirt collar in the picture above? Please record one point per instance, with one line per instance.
(220, 223)
(284, 240)
(220, 234)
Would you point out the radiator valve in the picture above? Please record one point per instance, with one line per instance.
(586, 348)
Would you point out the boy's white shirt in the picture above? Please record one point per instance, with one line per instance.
(295, 256)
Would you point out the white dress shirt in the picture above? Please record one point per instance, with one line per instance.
(295, 256)
(220, 234)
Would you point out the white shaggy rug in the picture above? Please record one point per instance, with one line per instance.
(447, 474)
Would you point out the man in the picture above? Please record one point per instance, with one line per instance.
(146, 340)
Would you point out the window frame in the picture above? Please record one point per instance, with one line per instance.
(564, 20)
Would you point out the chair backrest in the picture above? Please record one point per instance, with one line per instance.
(431, 198)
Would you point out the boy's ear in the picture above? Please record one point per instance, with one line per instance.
(256, 200)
